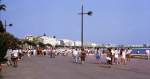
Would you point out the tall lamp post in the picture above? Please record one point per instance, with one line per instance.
(5, 25)
(82, 31)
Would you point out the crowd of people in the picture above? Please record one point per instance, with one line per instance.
(13, 56)
(107, 56)
(79, 55)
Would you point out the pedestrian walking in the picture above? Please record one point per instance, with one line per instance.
(8, 57)
(109, 56)
(14, 57)
(128, 54)
(116, 56)
(148, 54)
(53, 53)
(112, 55)
(34, 52)
(98, 55)
(123, 56)
(75, 55)
(82, 55)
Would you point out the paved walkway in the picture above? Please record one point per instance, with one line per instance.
(62, 68)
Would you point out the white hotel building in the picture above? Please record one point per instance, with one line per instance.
(59, 42)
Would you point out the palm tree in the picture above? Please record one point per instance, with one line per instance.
(2, 29)
(2, 7)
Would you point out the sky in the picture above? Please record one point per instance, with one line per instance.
(113, 21)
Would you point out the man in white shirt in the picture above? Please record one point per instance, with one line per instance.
(75, 55)
(15, 52)
(34, 52)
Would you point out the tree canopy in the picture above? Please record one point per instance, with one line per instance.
(7, 40)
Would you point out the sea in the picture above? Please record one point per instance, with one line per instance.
(139, 50)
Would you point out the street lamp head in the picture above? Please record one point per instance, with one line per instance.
(10, 25)
(90, 13)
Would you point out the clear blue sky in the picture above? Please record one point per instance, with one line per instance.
(113, 21)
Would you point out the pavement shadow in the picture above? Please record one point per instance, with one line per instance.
(133, 70)
(1, 77)
(105, 66)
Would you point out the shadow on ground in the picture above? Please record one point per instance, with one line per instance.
(1, 77)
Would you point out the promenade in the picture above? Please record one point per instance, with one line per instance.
(62, 67)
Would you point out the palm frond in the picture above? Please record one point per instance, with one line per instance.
(2, 7)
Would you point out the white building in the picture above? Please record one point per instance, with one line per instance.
(93, 44)
(30, 37)
(137, 45)
(67, 42)
(60, 42)
(77, 43)
(48, 40)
